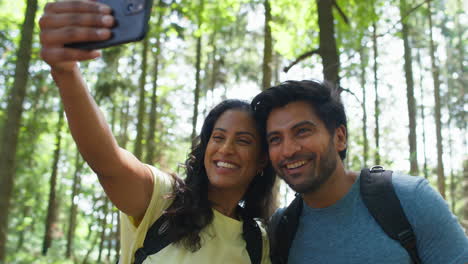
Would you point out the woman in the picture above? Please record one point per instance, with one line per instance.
(228, 166)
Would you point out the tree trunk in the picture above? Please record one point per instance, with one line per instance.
(102, 239)
(117, 237)
(196, 92)
(451, 93)
(267, 48)
(461, 55)
(93, 244)
(73, 208)
(32, 138)
(277, 63)
(453, 196)
(141, 104)
(11, 125)
(438, 122)
(465, 195)
(423, 116)
(215, 64)
(413, 154)
(363, 64)
(26, 212)
(376, 100)
(151, 144)
(52, 206)
(110, 235)
(328, 50)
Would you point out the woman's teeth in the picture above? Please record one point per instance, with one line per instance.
(223, 164)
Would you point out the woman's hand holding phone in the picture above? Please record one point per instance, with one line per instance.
(73, 21)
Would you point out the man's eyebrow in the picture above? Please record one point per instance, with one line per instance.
(302, 123)
(271, 134)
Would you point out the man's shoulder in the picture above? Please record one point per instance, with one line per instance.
(415, 194)
(406, 185)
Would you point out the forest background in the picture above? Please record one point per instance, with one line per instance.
(400, 66)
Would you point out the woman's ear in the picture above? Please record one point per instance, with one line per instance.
(340, 138)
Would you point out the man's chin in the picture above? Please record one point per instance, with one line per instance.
(303, 187)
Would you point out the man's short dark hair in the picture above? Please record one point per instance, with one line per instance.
(321, 96)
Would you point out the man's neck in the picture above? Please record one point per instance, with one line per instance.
(335, 188)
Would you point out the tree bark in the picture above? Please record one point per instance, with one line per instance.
(196, 92)
(267, 48)
(376, 100)
(141, 104)
(437, 108)
(150, 141)
(73, 208)
(117, 237)
(328, 49)
(102, 237)
(423, 116)
(465, 194)
(461, 55)
(365, 142)
(411, 101)
(277, 63)
(52, 205)
(11, 125)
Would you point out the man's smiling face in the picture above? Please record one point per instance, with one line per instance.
(301, 149)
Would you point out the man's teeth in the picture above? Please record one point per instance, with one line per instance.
(295, 164)
(225, 165)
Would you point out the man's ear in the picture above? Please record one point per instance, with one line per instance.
(340, 138)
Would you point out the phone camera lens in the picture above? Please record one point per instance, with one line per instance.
(130, 7)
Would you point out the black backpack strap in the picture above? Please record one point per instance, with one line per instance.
(156, 239)
(253, 239)
(282, 228)
(383, 204)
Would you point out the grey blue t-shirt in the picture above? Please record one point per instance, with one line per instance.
(346, 232)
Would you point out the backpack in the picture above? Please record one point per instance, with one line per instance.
(158, 238)
(380, 198)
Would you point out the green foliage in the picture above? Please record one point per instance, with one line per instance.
(294, 27)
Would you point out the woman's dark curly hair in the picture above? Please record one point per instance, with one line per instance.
(191, 210)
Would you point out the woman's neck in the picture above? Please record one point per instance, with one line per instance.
(225, 201)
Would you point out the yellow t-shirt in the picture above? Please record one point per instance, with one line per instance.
(222, 240)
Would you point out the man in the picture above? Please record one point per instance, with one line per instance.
(305, 124)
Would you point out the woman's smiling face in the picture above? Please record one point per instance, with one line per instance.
(233, 154)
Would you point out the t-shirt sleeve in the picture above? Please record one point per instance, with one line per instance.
(439, 236)
(133, 233)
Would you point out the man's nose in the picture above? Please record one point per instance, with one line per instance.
(290, 147)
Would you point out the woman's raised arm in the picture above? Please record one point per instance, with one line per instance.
(127, 181)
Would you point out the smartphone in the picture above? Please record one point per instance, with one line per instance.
(131, 23)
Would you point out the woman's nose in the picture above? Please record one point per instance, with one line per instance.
(227, 147)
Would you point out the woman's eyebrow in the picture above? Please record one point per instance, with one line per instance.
(237, 133)
(246, 133)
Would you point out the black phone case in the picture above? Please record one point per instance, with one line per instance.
(131, 23)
